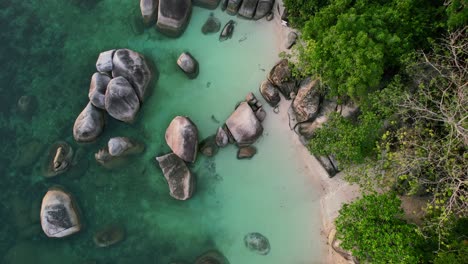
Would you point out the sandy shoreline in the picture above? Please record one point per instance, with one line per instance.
(333, 191)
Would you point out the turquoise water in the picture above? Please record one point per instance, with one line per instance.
(49, 50)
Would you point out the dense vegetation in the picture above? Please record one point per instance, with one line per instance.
(404, 62)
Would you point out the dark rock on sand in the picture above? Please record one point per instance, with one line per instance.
(247, 8)
(121, 101)
(264, 7)
(173, 16)
(246, 152)
(188, 64)
(97, 89)
(270, 93)
(179, 178)
(227, 31)
(292, 37)
(212, 25)
(258, 243)
(182, 138)
(89, 124)
(281, 77)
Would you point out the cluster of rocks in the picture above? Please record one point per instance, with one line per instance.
(249, 9)
(118, 87)
(309, 109)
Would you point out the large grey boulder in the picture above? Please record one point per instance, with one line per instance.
(97, 89)
(270, 93)
(188, 64)
(210, 4)
(247, 8)
(179, 178)
(182, 138)
(291, 40)
(173, 16)
(121, 101)
(149, 11)
(59, 214)
(132, 66)
(233, 6)
(89, 124)
(244, 125)
(104, 62)
(306, 105)
(281, 77)
(307, 130)
(264, 7)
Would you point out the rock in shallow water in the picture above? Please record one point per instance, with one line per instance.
(188, 64)
(227, 31)
(208, 146)
(246, 152)
(173, 16)
(149, 11)
(182, 137)
(210, 4)
(59, 159)
(212, 257)
(132, 66)
(264, 7)
(59, 213)
(212, 25)
(121, 101)
(222, 138)
(258, 243)
(89, 124)
(179, 178)
(97, 89)
(109, 236)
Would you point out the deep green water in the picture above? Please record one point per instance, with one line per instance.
(49, 49)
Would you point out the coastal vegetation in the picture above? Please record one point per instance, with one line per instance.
(404, 63)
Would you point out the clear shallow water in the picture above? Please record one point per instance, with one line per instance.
(51, 51)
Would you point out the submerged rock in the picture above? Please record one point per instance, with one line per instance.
(244, 125)
(28, 153)
(188, 64)
(228, 30)
(182, 137)
(179, 178)
(117, 150)
(270, 93)
(173, 16)
(257, 242)
(132, 66)
(109, 236)
(281, 77)
(264, 8)
(210, 4)
(212, 257)
(59, 213)
(208, 146)
(104, 62)
(233, 6)
(292, 37)
(246, 152)
(306, 105)
(212, 25)
(247, 8)
(149, 11)
(97, 89)
(58, 160)
(89, 124)
(222, 138)
(27, 105)
(121, 101)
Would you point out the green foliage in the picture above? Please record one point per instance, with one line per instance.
(300, 10)
(372, 229)
(457, 13)
(350, 44)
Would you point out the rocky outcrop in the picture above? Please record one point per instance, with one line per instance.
(270, 93)
(281, 77)
(104, 62)
(208, 146)
(257, 243)
(59, 214)
(188, 64)
(117, 150)
(246, 152)
(182, 138)
(329, 163)
(173, 16)
(58, 160)
(260, 114)
(306, 130)
(149, 11)
(222, 138)
(244, 125)
(291, 40)
(132, 66)
(121, 101)
(179, 178)
(247, 8)
(210, 4)
(306, 104)
(264, 7)
(212, 25)
(97, 89)
(227, 31)
(109, 236)
(233, 6)
(212, 257)
(89, 124)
